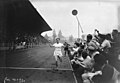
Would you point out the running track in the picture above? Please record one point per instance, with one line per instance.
(35, 65)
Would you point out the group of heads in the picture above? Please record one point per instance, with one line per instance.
(98, 58)
(109, 36)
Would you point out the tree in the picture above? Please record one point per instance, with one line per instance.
(46, 36)
(71, 38)
(54, 35)
(60, 34)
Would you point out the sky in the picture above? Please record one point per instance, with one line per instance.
(92, 15)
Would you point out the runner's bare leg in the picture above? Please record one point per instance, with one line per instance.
(56, 63)
(60, 58)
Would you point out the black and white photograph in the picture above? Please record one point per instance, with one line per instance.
(59, 41)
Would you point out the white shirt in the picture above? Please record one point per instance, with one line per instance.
(106, 43)
(58, 46)
(76, 49)
(88, 62)
(93, 44)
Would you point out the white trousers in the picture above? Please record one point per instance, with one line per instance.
(57, 53)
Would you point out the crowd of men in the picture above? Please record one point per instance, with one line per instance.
(96, 59)
(26, 41)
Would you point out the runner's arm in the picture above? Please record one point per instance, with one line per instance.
(51, 45)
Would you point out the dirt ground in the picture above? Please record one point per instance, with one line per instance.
(35, 65)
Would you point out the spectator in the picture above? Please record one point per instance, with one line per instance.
(92, 45)
(109, 73)
(66, 48)
(106, 44)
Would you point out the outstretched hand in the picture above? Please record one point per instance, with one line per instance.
(50, 44)
(96, 30)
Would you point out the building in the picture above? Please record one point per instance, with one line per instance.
(19, 17)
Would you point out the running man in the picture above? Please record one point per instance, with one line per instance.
(57, 52)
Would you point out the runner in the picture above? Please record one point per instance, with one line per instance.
(57, 52)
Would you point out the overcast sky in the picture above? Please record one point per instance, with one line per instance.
(92, 15)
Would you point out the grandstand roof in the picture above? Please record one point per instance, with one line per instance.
(23, 17)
